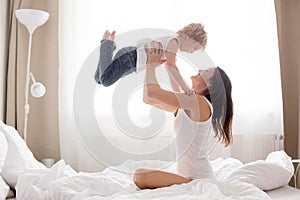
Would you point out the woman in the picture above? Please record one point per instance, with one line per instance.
(210, 108)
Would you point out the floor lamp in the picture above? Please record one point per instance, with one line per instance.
(31, 19)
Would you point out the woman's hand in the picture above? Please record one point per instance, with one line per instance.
(154, 54)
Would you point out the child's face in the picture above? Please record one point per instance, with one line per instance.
(189, 45)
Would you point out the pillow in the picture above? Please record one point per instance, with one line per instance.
(272, 173)
(4, 189)
(3, 150)
(19, 158)
(282, 159)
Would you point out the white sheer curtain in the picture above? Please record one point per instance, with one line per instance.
(242, 40)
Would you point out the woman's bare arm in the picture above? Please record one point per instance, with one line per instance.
(155, 95)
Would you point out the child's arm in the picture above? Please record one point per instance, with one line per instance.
(173, 72)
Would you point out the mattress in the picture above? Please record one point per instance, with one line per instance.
(284, 193)
(61, 182)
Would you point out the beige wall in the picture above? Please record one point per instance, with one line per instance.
(3, 54)
(43, 135)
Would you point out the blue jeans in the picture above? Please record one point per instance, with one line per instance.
(110, 70)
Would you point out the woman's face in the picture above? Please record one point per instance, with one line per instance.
(201, 81)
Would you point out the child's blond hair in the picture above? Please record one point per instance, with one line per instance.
(195, 31)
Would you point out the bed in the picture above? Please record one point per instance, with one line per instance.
(115, 182)
(234, 180)
(284, 192)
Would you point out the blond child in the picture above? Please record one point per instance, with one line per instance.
(133, 58)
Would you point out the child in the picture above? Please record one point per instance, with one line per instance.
(129, 59)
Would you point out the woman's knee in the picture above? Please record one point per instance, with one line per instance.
(140, 178)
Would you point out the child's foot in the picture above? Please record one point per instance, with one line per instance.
(109, 36)
(106, 35)
(112, 35)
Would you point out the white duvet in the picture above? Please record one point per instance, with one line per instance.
(61, 182)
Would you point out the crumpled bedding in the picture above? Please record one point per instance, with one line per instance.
(61, 182)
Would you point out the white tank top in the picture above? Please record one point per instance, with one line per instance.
(141, 53)
(194, 142)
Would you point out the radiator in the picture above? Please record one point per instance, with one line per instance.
(248, 148)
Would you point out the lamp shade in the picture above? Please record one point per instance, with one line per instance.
(31, 18)
(37, 90)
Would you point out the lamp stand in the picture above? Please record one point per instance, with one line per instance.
(31, 19)
(26, 106)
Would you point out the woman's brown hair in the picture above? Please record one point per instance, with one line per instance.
(219, 94)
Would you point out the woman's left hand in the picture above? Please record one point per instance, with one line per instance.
(154, 54)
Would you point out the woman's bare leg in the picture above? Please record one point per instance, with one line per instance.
(151, 179)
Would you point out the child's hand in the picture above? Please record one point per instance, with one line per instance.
(189, 92)
(154, 54)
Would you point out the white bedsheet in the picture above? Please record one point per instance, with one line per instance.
(61, 182)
